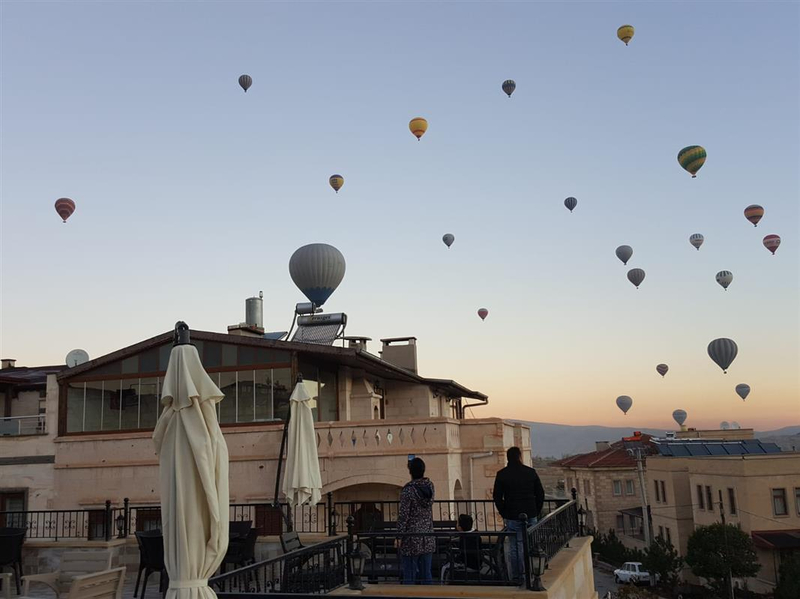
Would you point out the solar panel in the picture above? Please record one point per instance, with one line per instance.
(716, 449)
(680, 450)
(771, 448)
(322, 334)
(734, 448)
(698, 449)
(664, 449)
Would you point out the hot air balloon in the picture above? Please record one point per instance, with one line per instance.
(724, 425)
(65, 207)
(509, 86)
(723, 352)
(662, 369)
(625, 33)
(624, 403)
(448, 239)
(336, 182)
(696, 240)
(636, 276)
(743, 390)
(245, 81)
(624, 253)
(570, 203)
(679, 416)
(771, 242)
(418, 127)
(692, 159)
(724, 278)
(317, 269)
(483, 313)
(753, 213)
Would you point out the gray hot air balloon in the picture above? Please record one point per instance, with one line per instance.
(624, 403)
(696, 240)
(724, 425)
(317, 269)
(570, 203)
(509, 86)
(636, 276)
(723, 352)
(743, 390)
(679, 416)
(662, 369)
(448, 239)
(624, 253)
(725, 278)
(245, 81)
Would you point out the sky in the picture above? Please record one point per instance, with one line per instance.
(192, 195)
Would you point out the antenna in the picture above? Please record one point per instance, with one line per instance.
(76, 357)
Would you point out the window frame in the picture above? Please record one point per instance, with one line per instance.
(587, 488)
(663, 492)
(614, 485)
(775, 492)
(733, 509)
(658, 493)
(629, 483)
(701, 502)
(797, 500)
(710, 498)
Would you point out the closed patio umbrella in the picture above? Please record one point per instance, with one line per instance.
(193, 461)
(302, 482)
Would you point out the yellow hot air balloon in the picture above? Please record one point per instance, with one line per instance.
(336, 182)
(418, 126)
(625, 33)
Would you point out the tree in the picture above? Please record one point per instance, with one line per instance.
(634, 592)
(662, 559)
(789, 578)
(721, 550)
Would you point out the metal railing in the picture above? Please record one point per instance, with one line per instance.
(91, 524)
(16, 426)
(317, 569)
(544, 539)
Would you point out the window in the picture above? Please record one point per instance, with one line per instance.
(661, 532)
(731, 502)
(779, 502)
(620, 522)
(617, 487)
(321, 386)
(797, 499)
(709, 500)
(629, 488)
(700, 497)
(586, 489)
(12, 501)
(669, 536)
(658, 495)
(663, 492)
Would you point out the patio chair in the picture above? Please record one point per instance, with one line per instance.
(98, 585)
(72, 565)
(239, 529)
(241, 551)
(151, 559)
(11, 541)
(467, 561)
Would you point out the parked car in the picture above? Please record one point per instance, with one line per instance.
(632, 572)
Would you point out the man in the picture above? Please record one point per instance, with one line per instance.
(416, 515)
(517, 490)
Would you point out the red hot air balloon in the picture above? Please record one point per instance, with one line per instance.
(65, 207)
(483, 313)
(771, 242)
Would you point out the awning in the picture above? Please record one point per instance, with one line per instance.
(777, 539)
(632, 511)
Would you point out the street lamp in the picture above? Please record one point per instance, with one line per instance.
(356, 568)
(539, 566)
(120, 521)
(581, 520)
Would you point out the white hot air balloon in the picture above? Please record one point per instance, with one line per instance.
(724, 278)
(743, 390)
(679, 416)
(696, 240)
(624, 253)
(624, 403)
(448, 239)
(317, 269)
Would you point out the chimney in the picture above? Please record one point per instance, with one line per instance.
(357, 343)
(403, 355)
(601, 445)
(8, 363)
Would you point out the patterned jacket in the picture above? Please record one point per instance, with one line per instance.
(416, 515)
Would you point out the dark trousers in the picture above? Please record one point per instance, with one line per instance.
(417, 569)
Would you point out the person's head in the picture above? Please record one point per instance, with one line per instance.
(464, 523)
(514, 455)
(417, 468)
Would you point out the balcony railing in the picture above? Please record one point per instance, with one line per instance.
(547, 537)
(17, 426)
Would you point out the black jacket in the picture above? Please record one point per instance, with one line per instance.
(518, 490)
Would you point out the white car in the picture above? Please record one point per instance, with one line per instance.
(632, 572)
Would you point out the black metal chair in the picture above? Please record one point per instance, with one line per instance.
(151, 559)
(241, 551)
(11, 541)
(239, 528)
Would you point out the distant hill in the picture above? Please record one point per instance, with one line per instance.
(559, 440)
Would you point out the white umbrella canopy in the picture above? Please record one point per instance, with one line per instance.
(302, 482)
(193, 460)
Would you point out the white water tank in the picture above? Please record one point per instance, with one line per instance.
(254, 311)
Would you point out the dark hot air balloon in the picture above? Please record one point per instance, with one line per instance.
(771, 242)
(662, 369)
(245, 81)
(624, 403)
(743, 390)
(725, 278)
(697, 240)
(679, 416)
(317, 269)
(636, 276)
(570, 203)
(448, 239)
(336, 182)
(723, 352)
(483, 313)
(509, 86)
(65, 207)
(754, 213)
(624, 253)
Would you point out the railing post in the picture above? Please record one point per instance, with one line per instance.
(526, 562)
(331, 516)
(127, 515)
(350, 525)
(107, 520)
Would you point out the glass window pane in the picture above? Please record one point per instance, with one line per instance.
(163, 357)
(327, 404)
(130, 365)
(148, 361)
(212, 355)
(149, 406)
(263, 389)
(111, 405)
(272, 356)
(246, 396)
(94, 406)
(629, 490)
(112, 368)
(227, 407)
(75, 394)
(229, 355)
(281, 391)
(129, 404)
(247, 355)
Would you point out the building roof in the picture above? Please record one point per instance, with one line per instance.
(28, 377)
(616, 456)
(686, 448)
(777, 539)
(345, 356)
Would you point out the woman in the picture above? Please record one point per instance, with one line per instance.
(416, 515)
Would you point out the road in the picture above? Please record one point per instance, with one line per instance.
(604, 582)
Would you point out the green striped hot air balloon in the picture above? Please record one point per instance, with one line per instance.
(692, 159)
